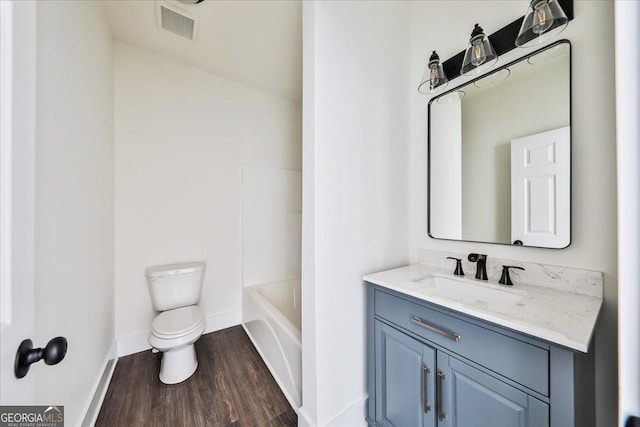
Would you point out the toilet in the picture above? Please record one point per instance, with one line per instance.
(175, 290)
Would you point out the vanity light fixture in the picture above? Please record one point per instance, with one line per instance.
(550, 16)
(544, 20)
(434, 77)
(480, 55)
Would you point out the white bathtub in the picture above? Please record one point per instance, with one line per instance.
(271, 317)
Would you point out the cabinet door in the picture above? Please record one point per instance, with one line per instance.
(405, 382)
(471, 398)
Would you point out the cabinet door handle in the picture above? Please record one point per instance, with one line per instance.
(441, 413)
(425, 380)
(451, 335)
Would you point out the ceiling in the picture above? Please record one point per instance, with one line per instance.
(257, 43)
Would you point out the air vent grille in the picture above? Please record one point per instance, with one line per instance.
(177, 23)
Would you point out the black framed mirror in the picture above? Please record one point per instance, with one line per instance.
(500, 154)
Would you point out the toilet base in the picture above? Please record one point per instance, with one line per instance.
(178, 365)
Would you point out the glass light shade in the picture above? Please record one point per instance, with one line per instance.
(492, 79)
(544, 20)
(454, 96)
(434, 77)
(480, 55)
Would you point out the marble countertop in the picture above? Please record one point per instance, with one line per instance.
(563, 318)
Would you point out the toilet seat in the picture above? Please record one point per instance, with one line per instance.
(178, 322)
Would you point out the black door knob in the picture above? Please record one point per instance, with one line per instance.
(633, 422)
(52, 354)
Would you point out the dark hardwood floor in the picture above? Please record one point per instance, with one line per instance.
(231, 387)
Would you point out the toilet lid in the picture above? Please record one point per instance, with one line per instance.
(178, 321)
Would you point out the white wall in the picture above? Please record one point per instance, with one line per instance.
(355, 191)
(182, 135)
(627, 19)
(445, 26)
(74, 222)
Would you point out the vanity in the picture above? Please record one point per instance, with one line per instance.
(445, 349)
(459, 352)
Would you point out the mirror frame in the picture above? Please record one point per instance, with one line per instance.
(468, 82)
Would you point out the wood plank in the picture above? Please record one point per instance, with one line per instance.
(231, 387)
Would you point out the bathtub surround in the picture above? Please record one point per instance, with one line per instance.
(271, 224)
(182, 135)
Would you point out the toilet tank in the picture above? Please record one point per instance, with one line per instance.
(175, 285)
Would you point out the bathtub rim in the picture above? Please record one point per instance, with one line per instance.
(288, 326)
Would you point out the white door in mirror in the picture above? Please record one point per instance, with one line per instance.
(541, 189)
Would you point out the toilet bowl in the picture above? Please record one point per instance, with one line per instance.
(175, 289)
(174, 333)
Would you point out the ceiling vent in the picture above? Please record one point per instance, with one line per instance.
(176, 20)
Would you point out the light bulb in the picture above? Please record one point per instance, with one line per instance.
(479, 55)
(542, 18)
(433, 75)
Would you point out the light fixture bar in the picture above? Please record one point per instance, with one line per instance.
(502, 41)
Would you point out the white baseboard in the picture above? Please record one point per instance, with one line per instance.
(133, 343)
(139, 342)
(93, 405)
(217, 322)
(304, 420)
(353, 416)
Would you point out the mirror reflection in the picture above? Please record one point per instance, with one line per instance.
(499, 155)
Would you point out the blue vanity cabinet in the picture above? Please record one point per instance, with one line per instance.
(410, 374)
(431, 366)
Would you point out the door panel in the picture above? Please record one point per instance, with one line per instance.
(404, 379)
(540, 189)
(18, 34)
(475, 399)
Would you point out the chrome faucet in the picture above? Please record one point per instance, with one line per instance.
(481, 265)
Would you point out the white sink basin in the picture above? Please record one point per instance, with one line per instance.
(477, 294)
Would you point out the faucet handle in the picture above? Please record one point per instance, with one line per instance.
(458, 271)
(505, 279)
